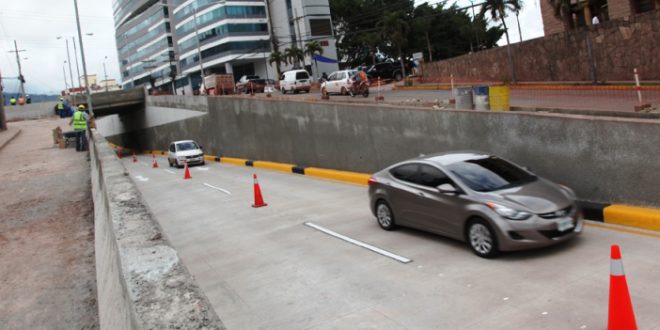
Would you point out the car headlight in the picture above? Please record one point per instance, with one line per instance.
(508, 213)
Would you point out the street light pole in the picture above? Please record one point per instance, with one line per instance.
(105, 74)
(82, 52)
(75, 55)
(66, 85)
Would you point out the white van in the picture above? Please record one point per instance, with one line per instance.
(295, 81)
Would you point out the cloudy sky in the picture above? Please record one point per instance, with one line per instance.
(36, 24)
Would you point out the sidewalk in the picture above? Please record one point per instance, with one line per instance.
(47, 269)
(8, 135)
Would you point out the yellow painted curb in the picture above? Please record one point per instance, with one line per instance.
(209, 158)
(352, 177)
(283, 167)
(632, 216)
(235, 161)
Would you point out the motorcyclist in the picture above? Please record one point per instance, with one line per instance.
(359, 78)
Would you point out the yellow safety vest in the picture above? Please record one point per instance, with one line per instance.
(60, 105)
(79, 122)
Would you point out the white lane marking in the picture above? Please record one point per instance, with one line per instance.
(143, 164)
(358, 243)
(202, 168)
(141, 178)
(217, 188)
(170, 171)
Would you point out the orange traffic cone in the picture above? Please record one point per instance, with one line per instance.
(621, 314)
(186, 173)
(155, 163)
(134, 157)
(258, 199)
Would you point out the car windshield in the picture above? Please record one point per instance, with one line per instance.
(490, 174)
(183, 146)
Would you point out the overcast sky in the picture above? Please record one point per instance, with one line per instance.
(36, 24)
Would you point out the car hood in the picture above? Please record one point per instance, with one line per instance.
(193, 152)
(540, 196)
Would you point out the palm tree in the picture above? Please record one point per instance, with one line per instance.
(497, 10)
(278, 58)
(312, 48)
(294, 54)
(394, 28)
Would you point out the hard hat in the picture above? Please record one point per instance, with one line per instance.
(81, 106)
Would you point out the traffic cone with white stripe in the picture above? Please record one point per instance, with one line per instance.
(621, 315)
(186, 172)
(155, 163)
(258, 199)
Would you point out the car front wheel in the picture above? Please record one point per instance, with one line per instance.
(482, 239)
(384, 215)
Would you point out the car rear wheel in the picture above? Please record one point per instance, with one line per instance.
(398, 76)
(482, 239)
(344, 91)
(384, 215)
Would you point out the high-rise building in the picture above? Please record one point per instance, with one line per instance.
(160, 42)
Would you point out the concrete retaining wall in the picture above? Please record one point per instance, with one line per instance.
(30, 111)
(142, 283)
(603, 159)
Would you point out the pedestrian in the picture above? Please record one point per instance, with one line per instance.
(12, 101)
(79, 122)
(60, 107)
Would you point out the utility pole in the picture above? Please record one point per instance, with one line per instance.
(474, 18)
(66, 85)
(82, 51)
(105, 74)
(297, 19)
(68, 56)
(20, 72)
(75, 55)
(3, 121)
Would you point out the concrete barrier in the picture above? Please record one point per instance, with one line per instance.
(605, 160)
(30, 111)
(142, 283)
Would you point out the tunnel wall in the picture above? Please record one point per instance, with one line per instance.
(603, 159)
(142, 283)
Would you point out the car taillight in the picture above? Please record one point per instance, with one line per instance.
(372, 181)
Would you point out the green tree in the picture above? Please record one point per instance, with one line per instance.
(312, 48)
(424, 23)
(278, 58)
(394, 29)
(497, 10)
(294, 55)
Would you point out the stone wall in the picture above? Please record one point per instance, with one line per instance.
(618, 46)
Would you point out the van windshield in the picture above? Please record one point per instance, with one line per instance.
(183, 146)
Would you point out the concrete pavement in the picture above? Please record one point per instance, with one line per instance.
(262, 268)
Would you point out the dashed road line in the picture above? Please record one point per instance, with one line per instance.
(170, 171)
(360, 244)
(141, 178)
(217, 188)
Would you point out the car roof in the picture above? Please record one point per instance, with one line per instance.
(182, 141)
(448, 158)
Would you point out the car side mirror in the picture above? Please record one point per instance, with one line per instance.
(447, 188)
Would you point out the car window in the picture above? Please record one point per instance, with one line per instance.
(183, 146)
(342, 75)
(333, 77)
(406, 172)
(431, 177)
(172, 147)
(302, 75)
(490, 173)
(282, 77)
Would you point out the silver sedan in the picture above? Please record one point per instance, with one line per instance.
(491, 203)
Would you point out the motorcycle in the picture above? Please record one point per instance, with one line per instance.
(360, 88)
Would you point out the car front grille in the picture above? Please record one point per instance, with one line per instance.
(557, 214)
(194, 156)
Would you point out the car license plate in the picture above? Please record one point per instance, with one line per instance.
(565, 225)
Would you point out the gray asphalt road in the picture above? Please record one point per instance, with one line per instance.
(263, 268)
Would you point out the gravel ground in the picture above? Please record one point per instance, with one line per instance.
(47, 271)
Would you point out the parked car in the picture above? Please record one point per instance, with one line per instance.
(184, 151)
(486, 201)
(295, 81)
(243, 83)
(259, 85)
(339, 82)
(385, 70)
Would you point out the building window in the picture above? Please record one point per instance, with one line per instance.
(320, 27)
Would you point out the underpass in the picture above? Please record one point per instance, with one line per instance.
(263, 268)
